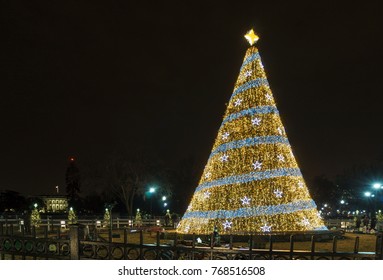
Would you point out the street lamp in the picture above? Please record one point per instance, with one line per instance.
(152, 190)
(164, 201)
(376, 187)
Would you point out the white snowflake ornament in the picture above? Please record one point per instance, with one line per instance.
(245, 200)
(227, 224)
(278, 193)
(266, 228)
(257, 165)
(256, 121)
(281, 158)
(225, 135)
(306, 222)
(187, 228)
(248, 73)
(223, 158)
(206, 194)
(237, 102)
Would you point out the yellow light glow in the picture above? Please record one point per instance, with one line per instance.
(251, 37)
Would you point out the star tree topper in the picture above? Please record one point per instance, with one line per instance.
(251, 37)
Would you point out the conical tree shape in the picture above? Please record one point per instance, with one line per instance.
(251, 182)
(72, 217)
(35, 217)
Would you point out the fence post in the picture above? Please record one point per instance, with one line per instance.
(312, 246)
(125, 242)
(356, 245)
(158, 251)
(291, 246)
(175, 246)
(379, 247)
(11, 228)
(74, 242)
(141, 245)
(2, 255)
(270, 247)
(251, 247)
(334, 246)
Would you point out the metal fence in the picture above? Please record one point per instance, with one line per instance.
(117, 222)
(79, 243)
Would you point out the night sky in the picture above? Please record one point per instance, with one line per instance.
(87, 78)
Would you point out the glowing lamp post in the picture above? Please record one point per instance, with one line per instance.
(377, 187)
(152, 191)
(164, 201)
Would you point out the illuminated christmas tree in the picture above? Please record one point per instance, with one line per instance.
(35, 217)
(251, 182)
(138, 219)
(72, 218)
(106, 222)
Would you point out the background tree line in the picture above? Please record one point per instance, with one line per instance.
(124, 179)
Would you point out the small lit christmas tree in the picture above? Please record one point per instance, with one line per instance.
(35, 217)
(251, 182)
(72, 218)
(138, 218)
(106, 221)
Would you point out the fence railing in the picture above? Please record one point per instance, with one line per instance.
(125, 244)
(116, 222)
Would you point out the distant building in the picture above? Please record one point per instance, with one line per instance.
(55, 203)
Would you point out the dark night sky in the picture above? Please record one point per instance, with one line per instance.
(86, 78)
